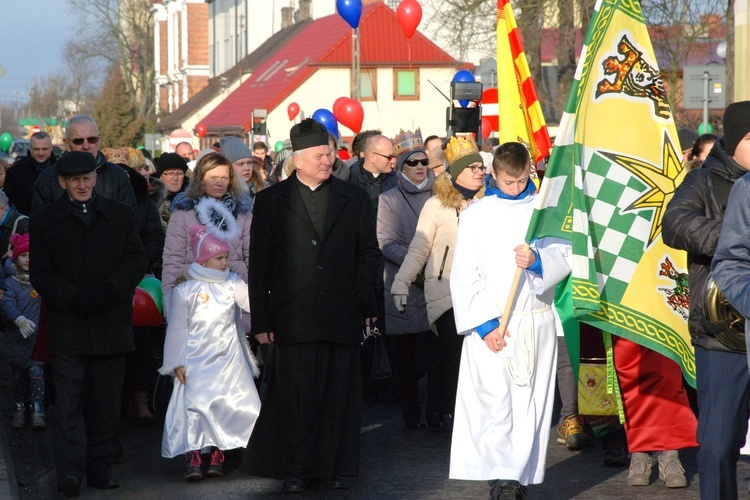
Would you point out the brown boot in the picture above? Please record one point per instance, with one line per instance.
(141, 411)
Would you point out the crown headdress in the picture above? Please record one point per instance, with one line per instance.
(458, 147)
(407, 141)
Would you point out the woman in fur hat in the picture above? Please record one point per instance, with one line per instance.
(218, 199)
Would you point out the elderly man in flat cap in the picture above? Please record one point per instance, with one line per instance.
(314, 257)
(86, 260)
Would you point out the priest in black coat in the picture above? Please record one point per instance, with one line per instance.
(313, 264)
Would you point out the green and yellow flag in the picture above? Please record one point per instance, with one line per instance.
(614, 168)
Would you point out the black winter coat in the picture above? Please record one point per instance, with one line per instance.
(692, 222)
(148, 221)
(66, 257)
(310, 287)
(375, 186)
(20, 180)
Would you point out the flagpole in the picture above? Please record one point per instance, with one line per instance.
(505, 319)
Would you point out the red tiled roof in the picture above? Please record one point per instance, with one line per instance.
(325, 42)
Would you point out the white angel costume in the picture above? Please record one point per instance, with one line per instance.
(504, 400)
(219, 404)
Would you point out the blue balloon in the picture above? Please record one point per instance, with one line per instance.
(350, 10)
(326, 118)
(463, 76)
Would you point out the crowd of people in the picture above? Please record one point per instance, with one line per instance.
(274, 271)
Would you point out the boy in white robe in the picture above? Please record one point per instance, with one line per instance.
(506, 382)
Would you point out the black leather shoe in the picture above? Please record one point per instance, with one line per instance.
(335, 483)
(102, 482)
(70, 486)
(293, 484)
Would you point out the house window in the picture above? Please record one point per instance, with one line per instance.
(405, 84)
(368, 84)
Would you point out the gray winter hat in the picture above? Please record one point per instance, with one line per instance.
(234, 149)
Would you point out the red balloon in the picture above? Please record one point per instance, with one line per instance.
(409, 15)
(337, 106)
(201, 130)
(351, 115)
(486, 128)
(292, 110)
(145, 312)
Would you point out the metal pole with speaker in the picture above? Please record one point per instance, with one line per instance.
(462, 120)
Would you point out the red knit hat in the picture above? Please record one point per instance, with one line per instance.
(205, 244)
(20, 244)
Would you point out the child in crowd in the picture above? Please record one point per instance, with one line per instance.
(506, 382)
(214, 404)
(19, 307)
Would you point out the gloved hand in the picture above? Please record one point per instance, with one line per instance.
(400, 301)
(25, 326)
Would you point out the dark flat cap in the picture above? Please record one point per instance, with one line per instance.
(307, 134)
(75, 163)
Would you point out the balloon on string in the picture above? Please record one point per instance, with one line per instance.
(278, 146)
(326, 118)
(463, 76)
(486, 128)
(153, 287)
(292, 110)
(5, 141)
(145, 312)
(350, 10)
(201, 130)
(351, 115)
(336, 105)
(409, 15)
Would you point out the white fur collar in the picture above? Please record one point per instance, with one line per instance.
(205, 208)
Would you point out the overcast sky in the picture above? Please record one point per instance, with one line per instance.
(32, 35)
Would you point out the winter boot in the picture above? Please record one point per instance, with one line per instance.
(193, 470)
(143, 415)
(19, 416)
(37, 418)
(216, 467)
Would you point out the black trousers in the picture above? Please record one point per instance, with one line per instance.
(407, 356)
(444, 362)
(723, 399)
(88, 392)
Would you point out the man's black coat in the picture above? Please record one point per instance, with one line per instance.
(305, 286)
(67, 258)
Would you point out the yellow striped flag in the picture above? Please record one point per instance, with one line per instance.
(520, 115)
(615, 167)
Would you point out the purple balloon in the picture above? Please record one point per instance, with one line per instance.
(326, 118)
(350, 10)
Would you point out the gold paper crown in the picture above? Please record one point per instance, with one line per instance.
(458, 147)
(407, 141)
(120, 156)
(137, 160)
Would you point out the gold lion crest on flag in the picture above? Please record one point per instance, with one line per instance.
(634, 77)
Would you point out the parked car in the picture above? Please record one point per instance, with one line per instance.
(19, 148)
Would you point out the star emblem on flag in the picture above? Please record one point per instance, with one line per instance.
(661, 180)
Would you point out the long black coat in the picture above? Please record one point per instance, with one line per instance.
(308, 287)
(65, 257)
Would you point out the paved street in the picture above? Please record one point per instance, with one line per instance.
(395, 464)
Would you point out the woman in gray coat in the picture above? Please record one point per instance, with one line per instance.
(407, 330)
